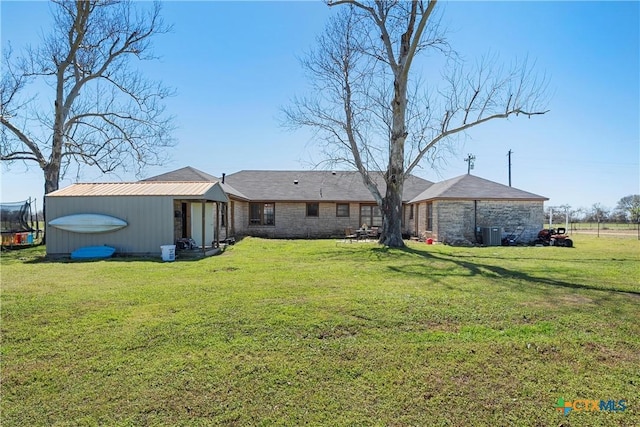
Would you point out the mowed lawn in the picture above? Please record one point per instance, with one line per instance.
(277, 332)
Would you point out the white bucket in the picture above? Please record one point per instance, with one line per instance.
(168, 252)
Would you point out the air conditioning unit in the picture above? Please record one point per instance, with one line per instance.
(492, 236)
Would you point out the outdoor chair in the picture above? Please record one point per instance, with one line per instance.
(373, 233)
(349, 235)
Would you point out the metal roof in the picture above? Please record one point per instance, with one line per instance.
(195, 190)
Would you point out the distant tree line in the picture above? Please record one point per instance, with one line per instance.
(627, 210)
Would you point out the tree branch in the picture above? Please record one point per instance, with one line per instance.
(464, 127)
(35, 151)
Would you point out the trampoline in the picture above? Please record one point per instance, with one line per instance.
(17, 225)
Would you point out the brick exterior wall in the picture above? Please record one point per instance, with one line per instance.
(408, 223)
(454, 220)
(291, 221)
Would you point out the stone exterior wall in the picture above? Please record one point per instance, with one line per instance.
(523, 219)
(454, 220)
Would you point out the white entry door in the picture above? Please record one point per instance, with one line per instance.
(196, 223)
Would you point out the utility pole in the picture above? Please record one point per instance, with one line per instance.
(509, 155)
(470, 159)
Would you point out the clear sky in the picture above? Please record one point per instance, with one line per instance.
(234, 65)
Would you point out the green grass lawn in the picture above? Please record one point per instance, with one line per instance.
(276, 332)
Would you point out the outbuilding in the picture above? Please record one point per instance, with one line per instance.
(147, 215)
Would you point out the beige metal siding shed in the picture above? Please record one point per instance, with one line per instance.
(147, 207)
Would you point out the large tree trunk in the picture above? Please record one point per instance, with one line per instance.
(51, 178)
(392, 215)
(51, 168)
(51, 184)
(392, 202)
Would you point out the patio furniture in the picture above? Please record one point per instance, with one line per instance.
(362, 233)
(349, 235)
(373, 233)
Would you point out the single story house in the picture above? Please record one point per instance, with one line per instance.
(296, 204)
(191, 204)
(461, 210)
(152, 214)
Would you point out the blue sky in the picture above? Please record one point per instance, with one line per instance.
(234, 65)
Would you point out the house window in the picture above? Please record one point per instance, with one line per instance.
(342, 210)
(410, 211)
(429, 223)
(262, 214)
(313, 209)
(371, 215)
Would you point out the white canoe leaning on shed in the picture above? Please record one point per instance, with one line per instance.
(88, 223)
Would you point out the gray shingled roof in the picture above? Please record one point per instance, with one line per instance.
(469, 187)
(190, 174)
(186, 174)
(338, 186)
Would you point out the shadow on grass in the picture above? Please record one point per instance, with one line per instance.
(552, 259)
(488, 270)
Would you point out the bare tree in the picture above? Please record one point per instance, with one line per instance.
(599, 213)
(370, 112)
(92, 108)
